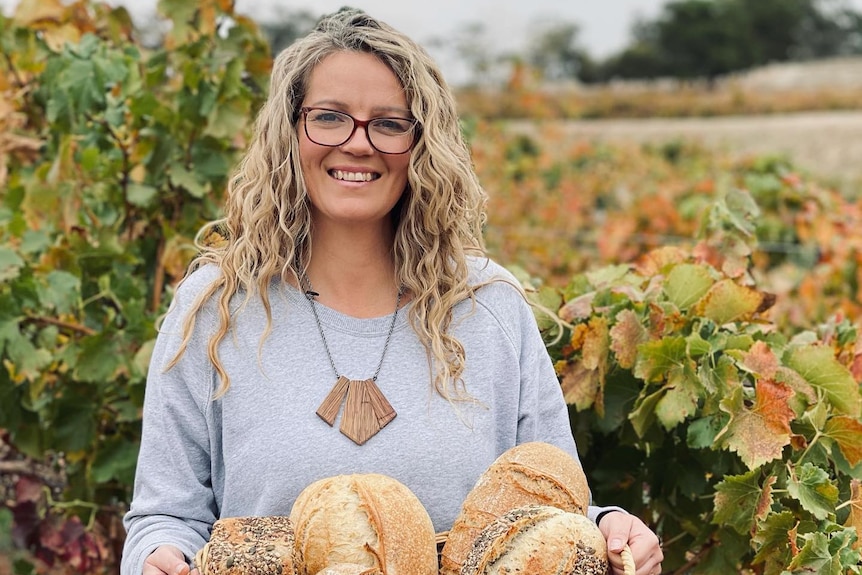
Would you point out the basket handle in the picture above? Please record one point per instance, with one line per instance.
(628, 560)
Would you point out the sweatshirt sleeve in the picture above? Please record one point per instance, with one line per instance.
(173, 500)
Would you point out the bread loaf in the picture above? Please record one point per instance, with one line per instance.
(349, 569)
(248, 546)
(534, 473)
(538, 539)
(369, 520)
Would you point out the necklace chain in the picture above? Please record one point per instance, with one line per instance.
(310, 294)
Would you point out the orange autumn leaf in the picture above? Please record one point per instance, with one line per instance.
(758, 434)
(578, 308)
(764, 503)
(761, 360)
(854, 520)
(595, 348)
(727, 301)
(847, 433)
(580, 385)
(653, 262)
(579, 332)
(792, 539)
(626, 334)
(31, 12)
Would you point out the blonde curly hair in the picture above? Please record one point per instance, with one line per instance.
(267, 221)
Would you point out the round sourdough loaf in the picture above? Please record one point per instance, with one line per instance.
(349, 569)
(249, 546)
(369, 520)
(533, 473)
(538, 539)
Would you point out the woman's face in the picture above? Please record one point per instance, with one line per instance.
(353, 183)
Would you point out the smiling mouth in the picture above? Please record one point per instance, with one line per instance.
(354, 176)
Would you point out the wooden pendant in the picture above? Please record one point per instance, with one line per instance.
(366, 410)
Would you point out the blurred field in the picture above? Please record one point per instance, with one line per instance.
(825, 144)
(807, 112)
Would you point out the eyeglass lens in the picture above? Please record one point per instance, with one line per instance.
(332, 128)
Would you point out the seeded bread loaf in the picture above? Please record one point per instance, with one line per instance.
(534, 473)
(538, 539)
(369, 520)
(248, 546)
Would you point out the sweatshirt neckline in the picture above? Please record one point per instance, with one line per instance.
(335, 319)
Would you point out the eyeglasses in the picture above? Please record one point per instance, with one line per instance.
(386, 135)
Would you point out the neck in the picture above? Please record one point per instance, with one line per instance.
(354, 272)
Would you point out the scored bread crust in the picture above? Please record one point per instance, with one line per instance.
(369, 520)
(533, 473)
(538, 539)
(249, 546)
(349, 569)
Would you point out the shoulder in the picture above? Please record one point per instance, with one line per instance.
(498, 295)
(483, 270)
(491, 282)
(199, 279)
(192, 287)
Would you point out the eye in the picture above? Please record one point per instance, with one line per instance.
(392, 126)
(326, 117)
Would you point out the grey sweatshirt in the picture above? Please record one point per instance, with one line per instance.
(253, 450)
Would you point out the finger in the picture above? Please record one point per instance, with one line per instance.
(166, 560)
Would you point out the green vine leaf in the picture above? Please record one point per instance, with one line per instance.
(740, 500)
(10, 264)
(657, 358)
(818, 366)
(687, 283)
(826, 553)
(644, 415)
(811, 486)
(847, 433)
(682, 397)
(772, 542)
(60, 292)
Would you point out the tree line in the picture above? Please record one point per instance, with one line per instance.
(688, 39)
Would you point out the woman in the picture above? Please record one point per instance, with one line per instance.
(353, 267)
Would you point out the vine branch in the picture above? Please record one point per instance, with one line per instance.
(68, 326)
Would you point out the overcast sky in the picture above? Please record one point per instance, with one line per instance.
(604, 24)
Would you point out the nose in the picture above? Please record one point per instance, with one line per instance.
(359, 141)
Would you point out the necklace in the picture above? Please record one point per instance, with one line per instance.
(366, 410)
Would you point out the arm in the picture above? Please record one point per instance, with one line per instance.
(173, 502)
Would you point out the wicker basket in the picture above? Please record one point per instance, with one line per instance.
(626, 553)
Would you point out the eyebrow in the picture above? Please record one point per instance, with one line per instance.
(375, 110)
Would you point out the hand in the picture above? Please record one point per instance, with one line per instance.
(167, 560)
(619, 529)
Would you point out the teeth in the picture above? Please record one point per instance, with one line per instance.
(353, 176)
